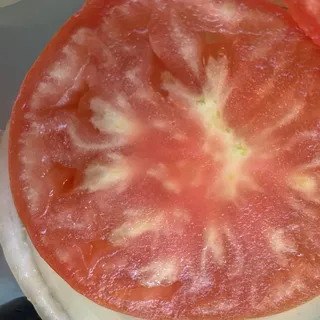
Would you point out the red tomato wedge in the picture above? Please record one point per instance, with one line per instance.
(165, 158)
(307, 15)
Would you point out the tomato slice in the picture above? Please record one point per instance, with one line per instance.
(164, 158)
(307, 15)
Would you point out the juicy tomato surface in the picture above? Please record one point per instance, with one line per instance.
(307, 15)
(165, 158)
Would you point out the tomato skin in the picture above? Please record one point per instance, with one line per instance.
(307, 14)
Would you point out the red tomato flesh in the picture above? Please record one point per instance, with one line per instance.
(307, 15)
(165, 158)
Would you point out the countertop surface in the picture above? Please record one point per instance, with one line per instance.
(25, 28)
